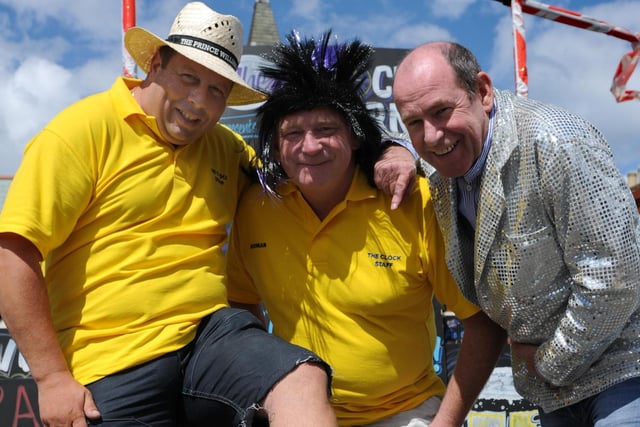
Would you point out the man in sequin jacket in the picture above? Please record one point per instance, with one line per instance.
(541, 231)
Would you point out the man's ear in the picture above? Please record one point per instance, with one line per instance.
(155, 63)
(485, 89)
(355, 142)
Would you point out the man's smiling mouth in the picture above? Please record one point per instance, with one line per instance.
(446, 150)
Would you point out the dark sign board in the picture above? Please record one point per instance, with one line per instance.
(18, 392)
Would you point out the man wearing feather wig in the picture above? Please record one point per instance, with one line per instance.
(338, 270)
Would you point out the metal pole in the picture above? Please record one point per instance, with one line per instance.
(519, 49)
(129, 68)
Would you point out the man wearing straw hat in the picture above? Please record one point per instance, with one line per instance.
(111, 242)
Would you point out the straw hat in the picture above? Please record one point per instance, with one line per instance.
(204, 36)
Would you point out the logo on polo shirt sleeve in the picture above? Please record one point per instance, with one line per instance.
(219, 177)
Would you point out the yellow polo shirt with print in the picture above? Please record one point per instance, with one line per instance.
(356, 288)
(130, 228)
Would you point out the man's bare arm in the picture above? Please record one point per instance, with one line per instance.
(482, 344)
(25, 309)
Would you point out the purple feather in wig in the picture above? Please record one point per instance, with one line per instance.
(326, 59)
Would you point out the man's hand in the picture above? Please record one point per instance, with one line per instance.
(395, 173)
(526, 352)
(65, 402)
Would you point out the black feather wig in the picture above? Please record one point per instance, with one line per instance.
(308, 74)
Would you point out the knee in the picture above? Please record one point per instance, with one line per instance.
(306, 380)
(302, 395)
(311, 373)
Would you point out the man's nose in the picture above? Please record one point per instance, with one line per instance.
(432, 133)
(310, 143)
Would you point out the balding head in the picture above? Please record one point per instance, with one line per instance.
(458, 59)
(444, 100)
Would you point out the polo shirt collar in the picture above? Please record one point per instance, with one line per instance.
(359, 189)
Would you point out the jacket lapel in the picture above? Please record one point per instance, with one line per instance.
(458, 244)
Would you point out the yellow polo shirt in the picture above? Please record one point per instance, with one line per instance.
(356, 288)
(131, 229)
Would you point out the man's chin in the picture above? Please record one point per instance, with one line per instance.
(447, 171)
(183, 138)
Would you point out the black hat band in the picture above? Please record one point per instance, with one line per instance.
(206, 46)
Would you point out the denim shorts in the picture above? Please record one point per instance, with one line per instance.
(221, 377)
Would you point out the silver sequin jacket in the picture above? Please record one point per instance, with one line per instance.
(556, 259)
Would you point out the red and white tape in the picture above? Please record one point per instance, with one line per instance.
(625, 67)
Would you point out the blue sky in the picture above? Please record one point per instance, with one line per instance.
(54, 52)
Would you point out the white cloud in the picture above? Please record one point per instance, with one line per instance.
(92, 19)
(410, 36)
(34, 85)
(376, 30)
(31, 95)
(307, 8)
(449, 8)
(573, 68)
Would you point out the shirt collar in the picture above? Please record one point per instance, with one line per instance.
(360, 188)
(474, 173)
(127, 106)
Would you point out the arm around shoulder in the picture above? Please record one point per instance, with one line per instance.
(395, 173)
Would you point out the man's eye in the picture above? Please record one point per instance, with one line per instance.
(216, 91)
(443, 111)
(293, 135)
(190, 78)
(326, 130)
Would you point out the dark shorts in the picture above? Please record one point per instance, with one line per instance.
(222, 376)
